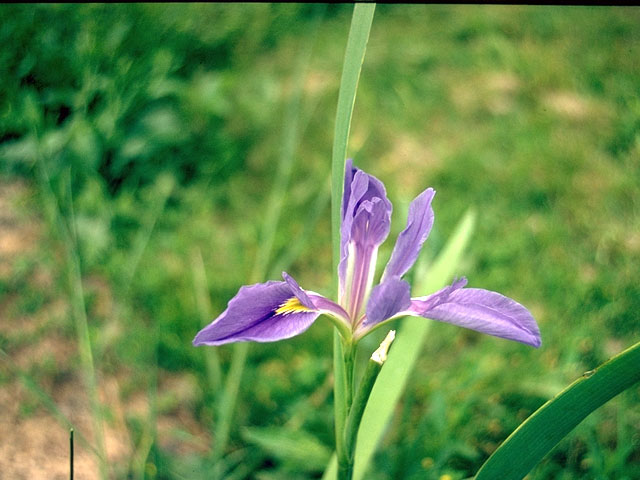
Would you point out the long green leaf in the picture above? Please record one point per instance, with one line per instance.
(532, 440)
(353, 58)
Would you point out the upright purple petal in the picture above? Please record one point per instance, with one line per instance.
(349, 172)
(409, 242)
(481, 310)
(370, 225)
(357, 188)
(387, 299)
(253, 315)
(366, 216)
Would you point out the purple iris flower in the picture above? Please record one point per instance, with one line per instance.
(271, 311)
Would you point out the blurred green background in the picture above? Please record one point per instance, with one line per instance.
(139, 149)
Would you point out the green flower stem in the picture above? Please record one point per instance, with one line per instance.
(349, 351)
(345, 399)
(360, 402)
(339, 397)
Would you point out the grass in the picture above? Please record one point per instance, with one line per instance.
(165, 126)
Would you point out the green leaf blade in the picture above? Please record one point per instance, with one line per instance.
(297, 448)
(540, 433)
(353, 59)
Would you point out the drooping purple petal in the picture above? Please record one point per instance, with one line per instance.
(436, 298)
(409, 242)
(387, 299)
(252, 315)
(481, 310)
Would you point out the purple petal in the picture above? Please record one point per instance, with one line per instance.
(441, 296)
(358, 188)
(481, 310)
(349, 172)
(329, 307)
(370, 225)
(410, 240)
(251, 315)
(366, 215)
(387, 299)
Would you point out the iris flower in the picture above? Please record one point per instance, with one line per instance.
(275, 310)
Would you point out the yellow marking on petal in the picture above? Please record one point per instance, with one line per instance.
(292, 305)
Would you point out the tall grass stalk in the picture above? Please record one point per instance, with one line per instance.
(69, 243)
(203, 303)
(163, 188)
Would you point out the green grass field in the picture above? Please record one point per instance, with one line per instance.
(146, 151)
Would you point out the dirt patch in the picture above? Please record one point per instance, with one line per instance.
(493, 92)
(407, 156)
(36, 443)
(567, 104)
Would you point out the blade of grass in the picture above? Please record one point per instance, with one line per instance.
(431, 277)
(212, 360)
(164, 187)
(226, 405)
(284, 167)
(52, 208)
(537, 436)
(294, 250)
